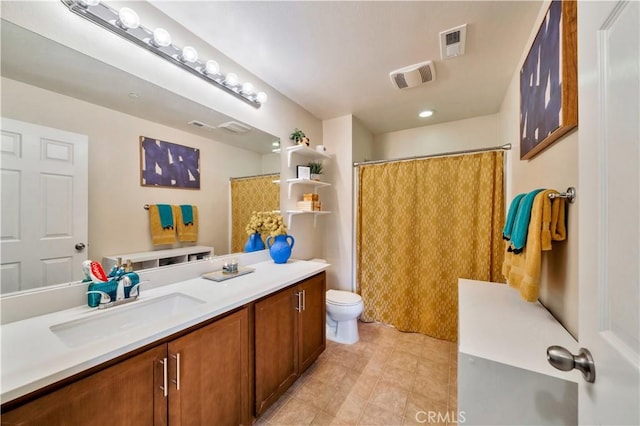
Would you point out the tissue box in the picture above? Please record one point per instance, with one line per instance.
(310, 197)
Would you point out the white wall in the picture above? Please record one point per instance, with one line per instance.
(556, 168)
(117, 221)
(471, 133)
(338, 242)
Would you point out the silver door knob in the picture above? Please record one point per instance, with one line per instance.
(564, 360)
(80, 246)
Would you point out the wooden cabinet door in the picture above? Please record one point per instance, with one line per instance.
(276, 353)
(209, 374)
(128, 393)
(312, 320)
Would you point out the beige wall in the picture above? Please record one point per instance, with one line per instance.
(337, 243)
(472, 133)
(117, 221)
(556, 168)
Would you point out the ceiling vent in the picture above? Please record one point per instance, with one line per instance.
(234, 127)
(413, 75)
(452, 42)
(201, 125)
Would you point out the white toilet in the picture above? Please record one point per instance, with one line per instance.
(343, 309)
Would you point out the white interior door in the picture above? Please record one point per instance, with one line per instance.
(609, 209)
(44, 205)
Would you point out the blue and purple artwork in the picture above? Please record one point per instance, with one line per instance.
(541, 83)
(168, 164)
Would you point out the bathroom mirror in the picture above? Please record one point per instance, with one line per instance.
(51, 85)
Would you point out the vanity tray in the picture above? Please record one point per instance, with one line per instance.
(219, 276)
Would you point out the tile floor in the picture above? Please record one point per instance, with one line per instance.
(387, 378)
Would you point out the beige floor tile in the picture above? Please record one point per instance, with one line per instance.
(316, 392)
(382, 379)
(401, 377)
(350, 411)
(323, 419)
(389, 397)
(375, 415)
(403, 360)
(420, 408)
(294, 412)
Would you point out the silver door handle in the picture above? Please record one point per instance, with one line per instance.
(80, 246)
(299, 306)
(564, 360)
(164, 387)
(177, 379)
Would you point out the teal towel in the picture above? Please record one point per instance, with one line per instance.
(511, 217)
(187, 214)
(166, 215)
(521, 224)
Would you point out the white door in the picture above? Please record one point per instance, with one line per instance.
(44, 206)
(609, 209)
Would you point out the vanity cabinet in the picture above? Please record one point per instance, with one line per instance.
(289, 337)
(126, 393)
(199, 378)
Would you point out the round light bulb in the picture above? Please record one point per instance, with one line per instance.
(212, 67)
(87, 3)
(231, 79)
(247, 88)
(189, 54)
(261, 97)
(128, 18)
(426, 113)
(161, 37)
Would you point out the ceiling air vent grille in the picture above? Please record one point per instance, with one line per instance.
(234, 127)
(413, 75)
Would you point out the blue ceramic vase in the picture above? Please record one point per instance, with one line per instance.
(280, 247)
(254, 243)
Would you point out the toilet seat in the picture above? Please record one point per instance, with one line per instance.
(343, 298)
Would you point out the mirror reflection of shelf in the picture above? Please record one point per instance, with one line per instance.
(291, 213)
(301, 181)
(157, 258)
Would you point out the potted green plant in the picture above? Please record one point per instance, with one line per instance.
(316, 169)
(299, 137)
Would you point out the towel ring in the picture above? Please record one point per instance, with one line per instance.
(569, 195)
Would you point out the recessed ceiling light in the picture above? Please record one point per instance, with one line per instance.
(426, 113)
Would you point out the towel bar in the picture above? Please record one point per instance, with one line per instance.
(569, 195)
(146, 206)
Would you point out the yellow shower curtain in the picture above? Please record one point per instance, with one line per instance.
(248, 195)
(421, 225)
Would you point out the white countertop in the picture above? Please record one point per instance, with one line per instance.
(33, 356)
(496, 324)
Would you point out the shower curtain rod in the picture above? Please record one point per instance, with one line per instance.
(505, 147)
(253, 176)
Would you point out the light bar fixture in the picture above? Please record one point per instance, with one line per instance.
(126, 23)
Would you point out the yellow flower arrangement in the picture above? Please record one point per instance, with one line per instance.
(269, 223)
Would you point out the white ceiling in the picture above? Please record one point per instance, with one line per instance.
(333, 58)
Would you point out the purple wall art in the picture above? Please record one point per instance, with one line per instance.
(167, 164)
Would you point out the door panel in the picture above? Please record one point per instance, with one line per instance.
(44, 205)
(609, 209)
(209, 374)
(312, 329)
(276, 350)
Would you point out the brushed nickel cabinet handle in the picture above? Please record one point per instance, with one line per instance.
(165, 386)
(177, 379)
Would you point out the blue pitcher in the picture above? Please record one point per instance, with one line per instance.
(280, 248)
(254, 243)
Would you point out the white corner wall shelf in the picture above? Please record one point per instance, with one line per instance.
(301, 181)
(305, 151)
(291, 213)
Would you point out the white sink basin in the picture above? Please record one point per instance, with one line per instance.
(102, 324)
